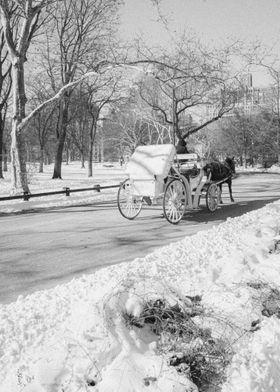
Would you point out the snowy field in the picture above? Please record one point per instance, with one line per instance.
(201, 314)
(73, 177)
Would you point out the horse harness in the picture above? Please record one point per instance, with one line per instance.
(219, 167)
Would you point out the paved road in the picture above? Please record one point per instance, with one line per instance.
(40, 249)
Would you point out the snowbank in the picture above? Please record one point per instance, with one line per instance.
(274, 169)
(74, 338)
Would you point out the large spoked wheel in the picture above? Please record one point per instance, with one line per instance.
(175, 201)
(212, 197)
(129, 205)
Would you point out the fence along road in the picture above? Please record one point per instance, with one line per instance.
(39, 250)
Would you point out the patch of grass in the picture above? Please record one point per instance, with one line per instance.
(187, 340)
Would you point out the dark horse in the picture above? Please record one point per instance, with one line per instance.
(221, 171)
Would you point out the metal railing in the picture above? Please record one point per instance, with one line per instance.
(67, 191)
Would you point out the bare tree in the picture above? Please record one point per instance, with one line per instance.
(42, 125)
(81, 31)
(274, 72)
(179, 86)
(134, 125)
(43, 128)
(261, 57)
(106, 91)
(248, 137)
(5, 89)
(18, 38)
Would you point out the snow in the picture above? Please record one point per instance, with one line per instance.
(274, 169)
(259, 168)
(73, 177)
(73, 337)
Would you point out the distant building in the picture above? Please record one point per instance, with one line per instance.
(251, 99)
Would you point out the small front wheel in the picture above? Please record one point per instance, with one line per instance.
(129, 205)
(212, 197)
(175, 201)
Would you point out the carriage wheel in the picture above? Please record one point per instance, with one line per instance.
(174, 201)
(129, 205)
(212, 197)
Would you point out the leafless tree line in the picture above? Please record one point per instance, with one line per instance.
(61, 66)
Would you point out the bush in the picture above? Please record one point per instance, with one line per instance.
(191, 340)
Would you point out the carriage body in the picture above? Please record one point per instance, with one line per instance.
(150, 172)
(148, 168)
(155, 172)
(200, 184)
(189, 167)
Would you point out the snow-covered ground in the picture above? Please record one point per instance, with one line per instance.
(80, 336)
(273, 169)
(73, 177)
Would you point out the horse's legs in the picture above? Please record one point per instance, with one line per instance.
(220, 201)
(230, 190)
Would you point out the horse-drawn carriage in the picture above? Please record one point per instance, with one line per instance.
(156, 173)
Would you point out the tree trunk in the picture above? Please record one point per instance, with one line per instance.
(41, 164)
(28, 154)
(278, 141)
(90, 156)
(245, 160)
(62, 136)
(67, 156)
(18, 165)
(1, 146)
(47, 158)
(101, 145)
(241, 160)
(82, 160)
(59, 155)
(92, 134)
(278, 129)
(5, 160)
(72, 155)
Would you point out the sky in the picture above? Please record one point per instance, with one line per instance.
(214, 21)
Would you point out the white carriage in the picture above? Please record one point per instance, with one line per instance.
(156, 173)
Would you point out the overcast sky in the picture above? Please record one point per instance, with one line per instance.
(213, 20)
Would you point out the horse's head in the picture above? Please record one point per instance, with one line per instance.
(231, 164)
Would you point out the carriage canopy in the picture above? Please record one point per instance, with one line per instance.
(150, 162)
